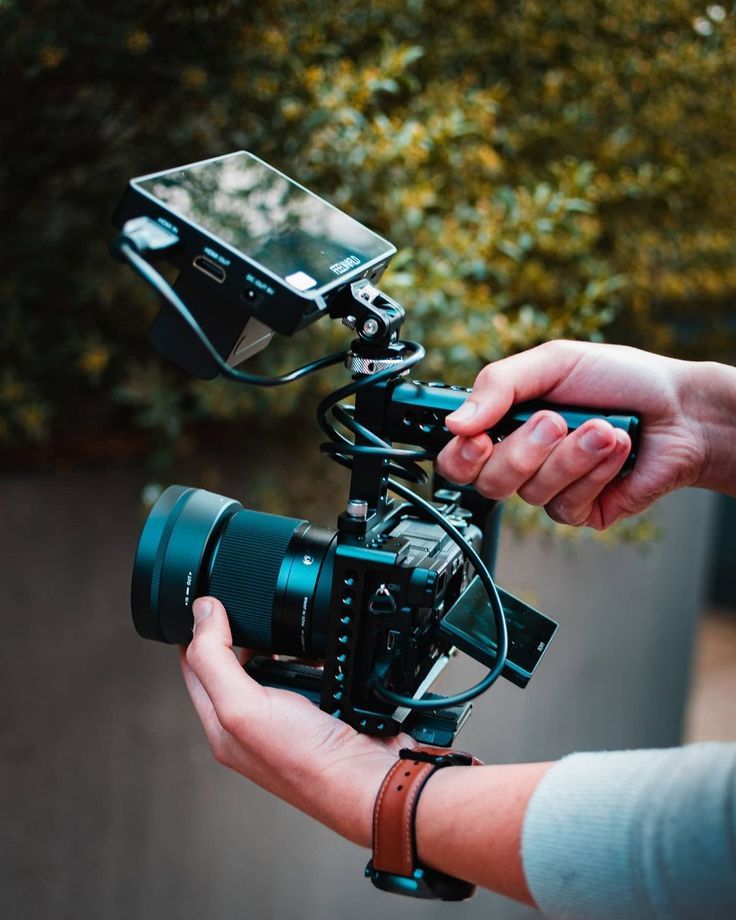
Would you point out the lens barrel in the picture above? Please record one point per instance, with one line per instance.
(273, 574)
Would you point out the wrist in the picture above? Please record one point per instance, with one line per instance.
(711, 401)
(351, 793)
(469, 824)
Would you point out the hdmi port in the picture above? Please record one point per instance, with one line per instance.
(208, 267)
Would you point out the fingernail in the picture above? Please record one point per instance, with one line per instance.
(546, 432)
(622, 443)
(593, 440)
(201, 609)
(472, 449)
(464, 413)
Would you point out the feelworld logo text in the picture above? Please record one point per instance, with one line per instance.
(344, 265)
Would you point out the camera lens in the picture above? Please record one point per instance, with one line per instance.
(273, 574)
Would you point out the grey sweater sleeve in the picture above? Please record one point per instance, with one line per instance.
(635, 834)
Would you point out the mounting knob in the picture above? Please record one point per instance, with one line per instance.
(363, 365)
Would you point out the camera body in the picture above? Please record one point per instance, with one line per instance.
(390, 588)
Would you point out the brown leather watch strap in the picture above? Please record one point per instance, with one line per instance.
(394, 842)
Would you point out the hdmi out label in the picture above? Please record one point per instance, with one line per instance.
(215, 256)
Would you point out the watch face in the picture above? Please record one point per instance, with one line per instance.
(272, 220)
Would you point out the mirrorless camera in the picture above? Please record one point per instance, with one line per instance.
(362, 618)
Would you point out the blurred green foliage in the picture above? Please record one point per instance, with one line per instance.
(545, 169)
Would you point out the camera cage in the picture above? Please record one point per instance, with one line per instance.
(387, 408)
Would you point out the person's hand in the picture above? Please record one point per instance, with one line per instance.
(574, 475)
(280, 740)
(326, 769)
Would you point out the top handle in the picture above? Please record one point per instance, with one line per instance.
(416, 415)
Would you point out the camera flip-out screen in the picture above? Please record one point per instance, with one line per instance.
(274, 221)
(469, 625)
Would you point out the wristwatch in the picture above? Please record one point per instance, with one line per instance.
(394, 866)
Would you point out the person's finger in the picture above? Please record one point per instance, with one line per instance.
(462, 459)
(519, 456)
(576, 504)
(237, 699)
(574, 457)
(528, 375)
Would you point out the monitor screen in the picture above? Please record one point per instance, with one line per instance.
(258, 211)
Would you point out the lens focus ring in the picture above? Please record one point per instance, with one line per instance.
(245, 571)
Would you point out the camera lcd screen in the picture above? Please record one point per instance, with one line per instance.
(270, 219)
(469, 624)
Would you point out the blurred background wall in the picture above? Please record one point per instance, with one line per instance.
(545, 170)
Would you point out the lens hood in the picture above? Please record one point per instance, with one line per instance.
(172, 554)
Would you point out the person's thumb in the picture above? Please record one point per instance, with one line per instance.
(211, 658)
(210, 620)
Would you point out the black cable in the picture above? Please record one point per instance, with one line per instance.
(162, 287)
(499, 619)
(343, 450)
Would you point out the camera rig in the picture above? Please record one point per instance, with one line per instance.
(404, 583)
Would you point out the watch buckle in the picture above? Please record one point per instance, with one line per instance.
(448, 759)
(423, 883)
